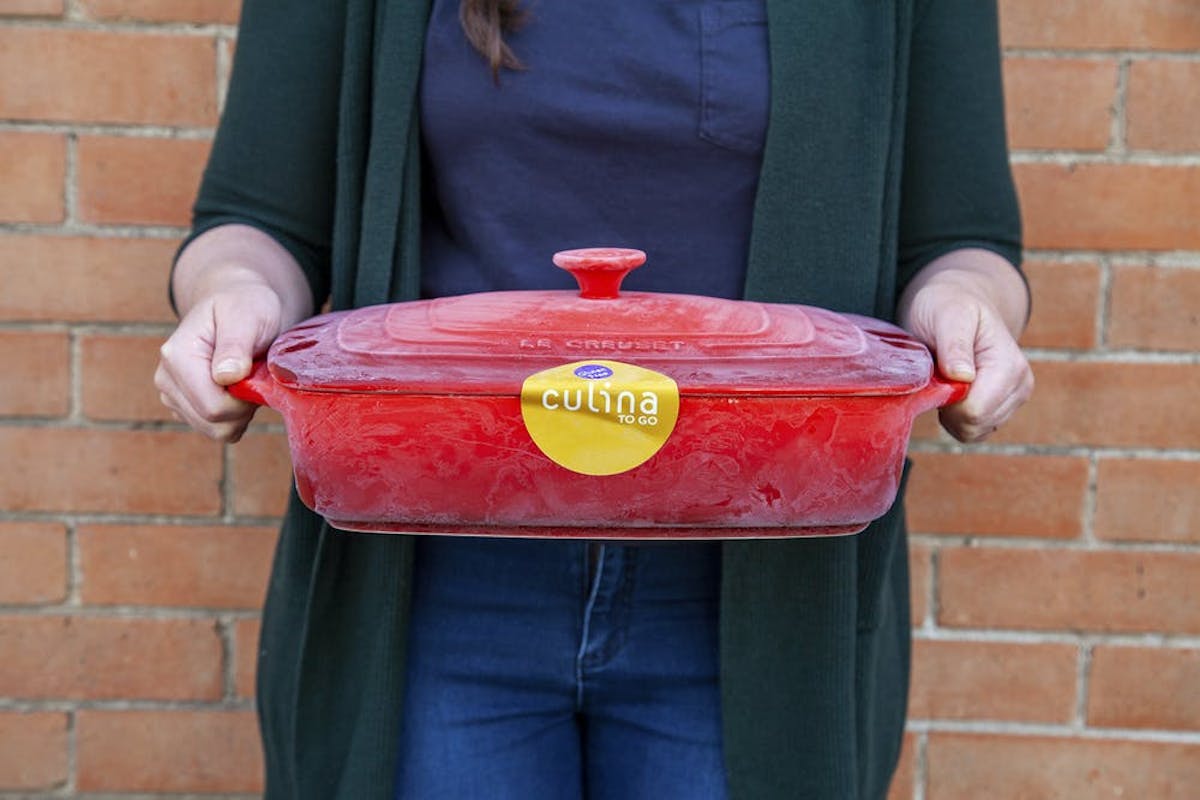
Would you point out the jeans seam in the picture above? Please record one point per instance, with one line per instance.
(581, 654)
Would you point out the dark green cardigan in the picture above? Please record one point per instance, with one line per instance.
(885, 149)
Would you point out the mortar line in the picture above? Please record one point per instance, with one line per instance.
(1008, 728)
(1083, 676)
(1104, 312)
(978, 541)
(1071, 158)
(227, 498)
(91, 328)
(1088, 512)
(127, 130)
(932, 599)
(1121, 356)
(921, 765)
(225, 634)
(69, 785)
(74, 596)
(1160, 641)
(168, 520)
(94, 230)
(141, 704)
(1175, 258)
(224, 67)
(1033, 449)
(74, 19)
(74, 378)
(1120, 125)
(149, 613)
(1100, 54)
(71, 180)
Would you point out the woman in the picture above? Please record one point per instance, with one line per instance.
(374, 151)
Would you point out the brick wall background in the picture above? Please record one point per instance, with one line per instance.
(1056, 568)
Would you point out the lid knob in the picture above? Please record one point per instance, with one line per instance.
(600, 270)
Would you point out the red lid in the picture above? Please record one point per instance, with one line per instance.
(488, 343)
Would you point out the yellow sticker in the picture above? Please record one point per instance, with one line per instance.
(599, 417)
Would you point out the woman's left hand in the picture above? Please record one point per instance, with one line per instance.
(969, 306)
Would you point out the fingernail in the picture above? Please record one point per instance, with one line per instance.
(228, 366)
(962, 369)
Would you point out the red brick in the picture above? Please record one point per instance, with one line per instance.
(31, 8)
(206, 567)
(1109, 206)
(33, 750)
(1161, 109)
(216, 11)
(263, 417)
(35, 374)
(1070, 590)
(1148, 500)
(920, 574)
(85, 279)
(1155, 308)
(926, 427)
(993, 681)
(1058, 103)
(1066, 296)
(245, 645)
(168, 751)
(970, 767)
(1145, 687)
(262, 473)
(103, 658)
(1101, 24)
(1117, 404)
(904, 781)
(33, 168)
(113, 185)
(997, 495)
(81, 470)
(76, 76)
(33, 563)
(118, 378)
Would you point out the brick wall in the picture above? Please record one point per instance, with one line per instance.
(1056, 568)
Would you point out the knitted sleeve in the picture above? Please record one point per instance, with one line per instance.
(273, 159)
(957, 188)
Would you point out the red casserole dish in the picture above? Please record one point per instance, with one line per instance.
(599, 414)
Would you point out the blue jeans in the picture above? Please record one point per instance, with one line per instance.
(552, 670)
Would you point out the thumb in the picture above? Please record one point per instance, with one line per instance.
(954, 334)
(239, 334)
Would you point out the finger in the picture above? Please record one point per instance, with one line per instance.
(186, 376)
(243, 327)
(186, 387)
(1001, 388)
(954, 341)
(227, 429)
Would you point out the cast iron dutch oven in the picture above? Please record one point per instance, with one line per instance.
(599, 414)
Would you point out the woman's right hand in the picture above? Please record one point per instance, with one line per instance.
(236, 289)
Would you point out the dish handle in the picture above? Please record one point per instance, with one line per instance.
(256, 387)
(940, 392)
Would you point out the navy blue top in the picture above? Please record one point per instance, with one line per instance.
(635, 124)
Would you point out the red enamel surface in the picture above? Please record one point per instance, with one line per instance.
(599, 270)
(754, 466)
(793, 420)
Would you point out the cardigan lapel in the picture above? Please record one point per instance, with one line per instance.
(818, 217)
(388, 266)
(821, 236)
